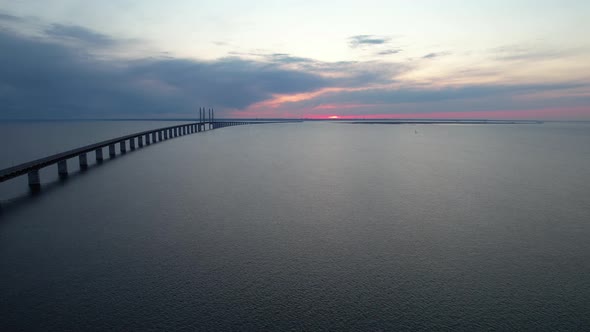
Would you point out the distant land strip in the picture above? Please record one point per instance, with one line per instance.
(448, 122)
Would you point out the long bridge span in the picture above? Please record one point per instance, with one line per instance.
(133, 141)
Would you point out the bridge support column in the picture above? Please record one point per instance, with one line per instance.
(112, 152)
(83, 161)
(62, 168)
(147, 139)
(140, 141)
(132, 143)
(98, 153)
(123, 146)
(160, 136)
(34, 179)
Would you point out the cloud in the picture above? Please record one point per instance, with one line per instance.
(388, 52)
(8, 17)
(43, 78)
(435, 55)
(63, 71)
(338, 74)
(282, 58)
(524, 52)
(367, 40)
(422, 95)
(428, 100)
(79, 34)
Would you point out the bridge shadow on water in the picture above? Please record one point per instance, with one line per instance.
(29, 198)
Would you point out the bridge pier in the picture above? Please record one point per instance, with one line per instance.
(98, 153)
(62, 168)
(34, 179)
(140, 141)
(123, 146)
(147, 139)
(112, 152)
(83, 161)
(132, 143)
(160, 136)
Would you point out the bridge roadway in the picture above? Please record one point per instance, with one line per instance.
(151, 136)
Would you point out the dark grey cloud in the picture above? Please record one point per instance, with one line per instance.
(79, 34)
(8, 17)
(43, 78)
(367, 40)
(287, 58)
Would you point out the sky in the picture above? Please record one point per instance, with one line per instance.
(73, 59)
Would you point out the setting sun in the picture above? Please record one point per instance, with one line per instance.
(333, 117)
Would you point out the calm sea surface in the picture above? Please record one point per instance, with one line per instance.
(302, 226)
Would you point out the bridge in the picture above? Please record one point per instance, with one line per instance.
(133, 141)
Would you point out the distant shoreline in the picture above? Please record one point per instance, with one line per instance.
(348, 121)
(449, 122)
